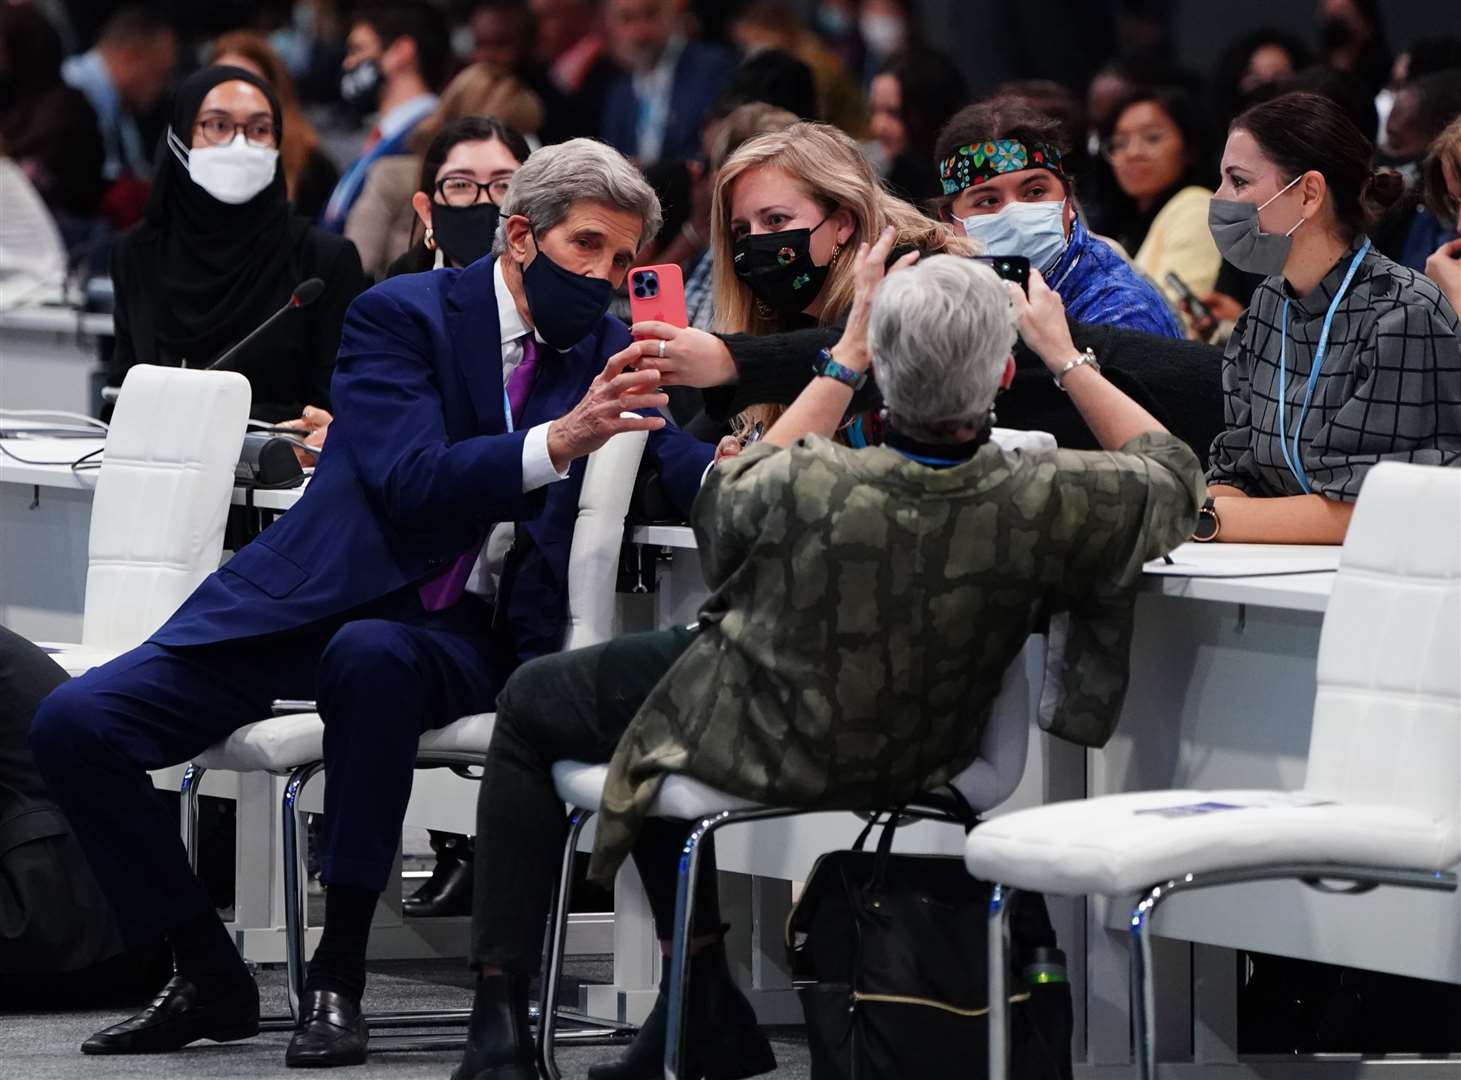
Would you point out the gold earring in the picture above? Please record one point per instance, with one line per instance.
(430, 240)
(836, 250)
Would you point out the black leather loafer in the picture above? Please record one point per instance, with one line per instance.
(181, 1014)
(331, 1032)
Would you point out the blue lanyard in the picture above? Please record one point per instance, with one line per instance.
(1293, 460)
(855, 436)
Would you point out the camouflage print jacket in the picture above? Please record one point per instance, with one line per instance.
(864, 608)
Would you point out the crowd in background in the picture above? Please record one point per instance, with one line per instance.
(364, 88)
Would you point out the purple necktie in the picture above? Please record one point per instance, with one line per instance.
(520, 382)
(442, 590)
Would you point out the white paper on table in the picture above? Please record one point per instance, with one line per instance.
(1246, 560)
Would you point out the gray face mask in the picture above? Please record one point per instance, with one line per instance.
(1235, 230)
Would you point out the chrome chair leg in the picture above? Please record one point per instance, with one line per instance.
(999, 970)
(294, 892)
(1143, 994)
(192, 781)
(679, 994)
(557, 946)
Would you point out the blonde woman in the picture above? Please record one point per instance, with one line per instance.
(789, 209)
(382, 221)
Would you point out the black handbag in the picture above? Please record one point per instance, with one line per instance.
(889, 957)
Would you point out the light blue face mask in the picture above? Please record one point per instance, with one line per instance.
(1035, 230)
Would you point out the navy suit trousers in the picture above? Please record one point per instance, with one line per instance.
(381, 675)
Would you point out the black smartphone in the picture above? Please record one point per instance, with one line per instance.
(1201, 313)
(1014, 268)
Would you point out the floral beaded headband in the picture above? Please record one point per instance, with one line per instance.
(975, 164)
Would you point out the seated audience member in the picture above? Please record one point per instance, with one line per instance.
(396, 59)
(1352, 41)
(787, 663)
(1422, 109)
(764, 25)
(465, 177)
(655, 109)
(124, 75)
(451, 438)
(910, 100)
(1443, 198)
(1262, 56)
(220, 251)
(1158, 152)
(309, 174)
(383, 223)
(1343, 358)
(49, 129)
(787, 205)
(1000, 166)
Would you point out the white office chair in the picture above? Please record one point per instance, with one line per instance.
(1381, 803)
(988, 781)
(293, 745)
(160, 507)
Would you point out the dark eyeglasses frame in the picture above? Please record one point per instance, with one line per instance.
(482, 189)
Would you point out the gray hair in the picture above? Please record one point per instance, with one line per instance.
(940, 333)
(555, 177)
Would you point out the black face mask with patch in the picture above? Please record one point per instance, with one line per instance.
(777, 267)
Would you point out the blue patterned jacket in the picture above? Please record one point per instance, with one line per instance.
(1099, 287)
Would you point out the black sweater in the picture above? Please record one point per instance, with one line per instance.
(290, 365)
(1178, 382)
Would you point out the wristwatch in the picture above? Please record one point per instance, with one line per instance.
(825, 365)
(1208, 525)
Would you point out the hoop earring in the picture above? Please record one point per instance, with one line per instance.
(430, 240)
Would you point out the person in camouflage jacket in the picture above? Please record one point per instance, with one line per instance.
(864, 606)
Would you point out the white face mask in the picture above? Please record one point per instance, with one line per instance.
(233, 173)
(882, 34)
(1035, 230)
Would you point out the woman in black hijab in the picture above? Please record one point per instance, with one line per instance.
(220, 251)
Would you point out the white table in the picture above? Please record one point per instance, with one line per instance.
(1222, 692)
(48, 357)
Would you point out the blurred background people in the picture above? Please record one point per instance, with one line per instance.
(571, 46)
(220, 251)
(910, 99)
(122, 76)
(49, 129)
(656, 108)
(382, 223)
(309, 174)
(1157, 144)
(775, 24)
(396, 59)
(1443, 199)
(1254, 60)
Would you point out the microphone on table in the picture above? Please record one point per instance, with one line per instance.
(305, 293)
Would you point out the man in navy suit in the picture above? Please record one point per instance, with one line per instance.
(467, 402)
(655, 110)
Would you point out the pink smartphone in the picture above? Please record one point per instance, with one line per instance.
(657, 294)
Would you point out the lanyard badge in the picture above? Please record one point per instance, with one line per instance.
(1293, 459)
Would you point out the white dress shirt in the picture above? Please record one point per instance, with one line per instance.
(538, 468)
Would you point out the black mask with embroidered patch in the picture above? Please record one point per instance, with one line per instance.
(777, 267)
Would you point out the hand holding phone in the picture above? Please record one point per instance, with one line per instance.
(1014, 268)
(1201, 313)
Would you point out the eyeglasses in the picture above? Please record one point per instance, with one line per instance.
(220, 130)
(464, 191)
(1118, 145)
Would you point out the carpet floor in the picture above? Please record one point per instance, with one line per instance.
(44, 1046)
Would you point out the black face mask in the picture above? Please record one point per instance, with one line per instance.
(565, 306)
(777, 267)
(360, 87)
(464, 233)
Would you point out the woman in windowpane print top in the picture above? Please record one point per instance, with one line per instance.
(1297, 194)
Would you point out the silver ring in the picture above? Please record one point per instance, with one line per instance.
(661, 348)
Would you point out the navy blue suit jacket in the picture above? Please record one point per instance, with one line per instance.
(419, 463)
(700, 75)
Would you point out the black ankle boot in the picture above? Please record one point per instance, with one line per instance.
(500, 1039)
(722, 1042)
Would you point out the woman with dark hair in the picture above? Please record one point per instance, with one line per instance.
(465, 174)
(221, 250)
(1343, 358)
(1156, 142)
(1257, 59)
(48, 128)
(1001, 165)
(910, 100)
